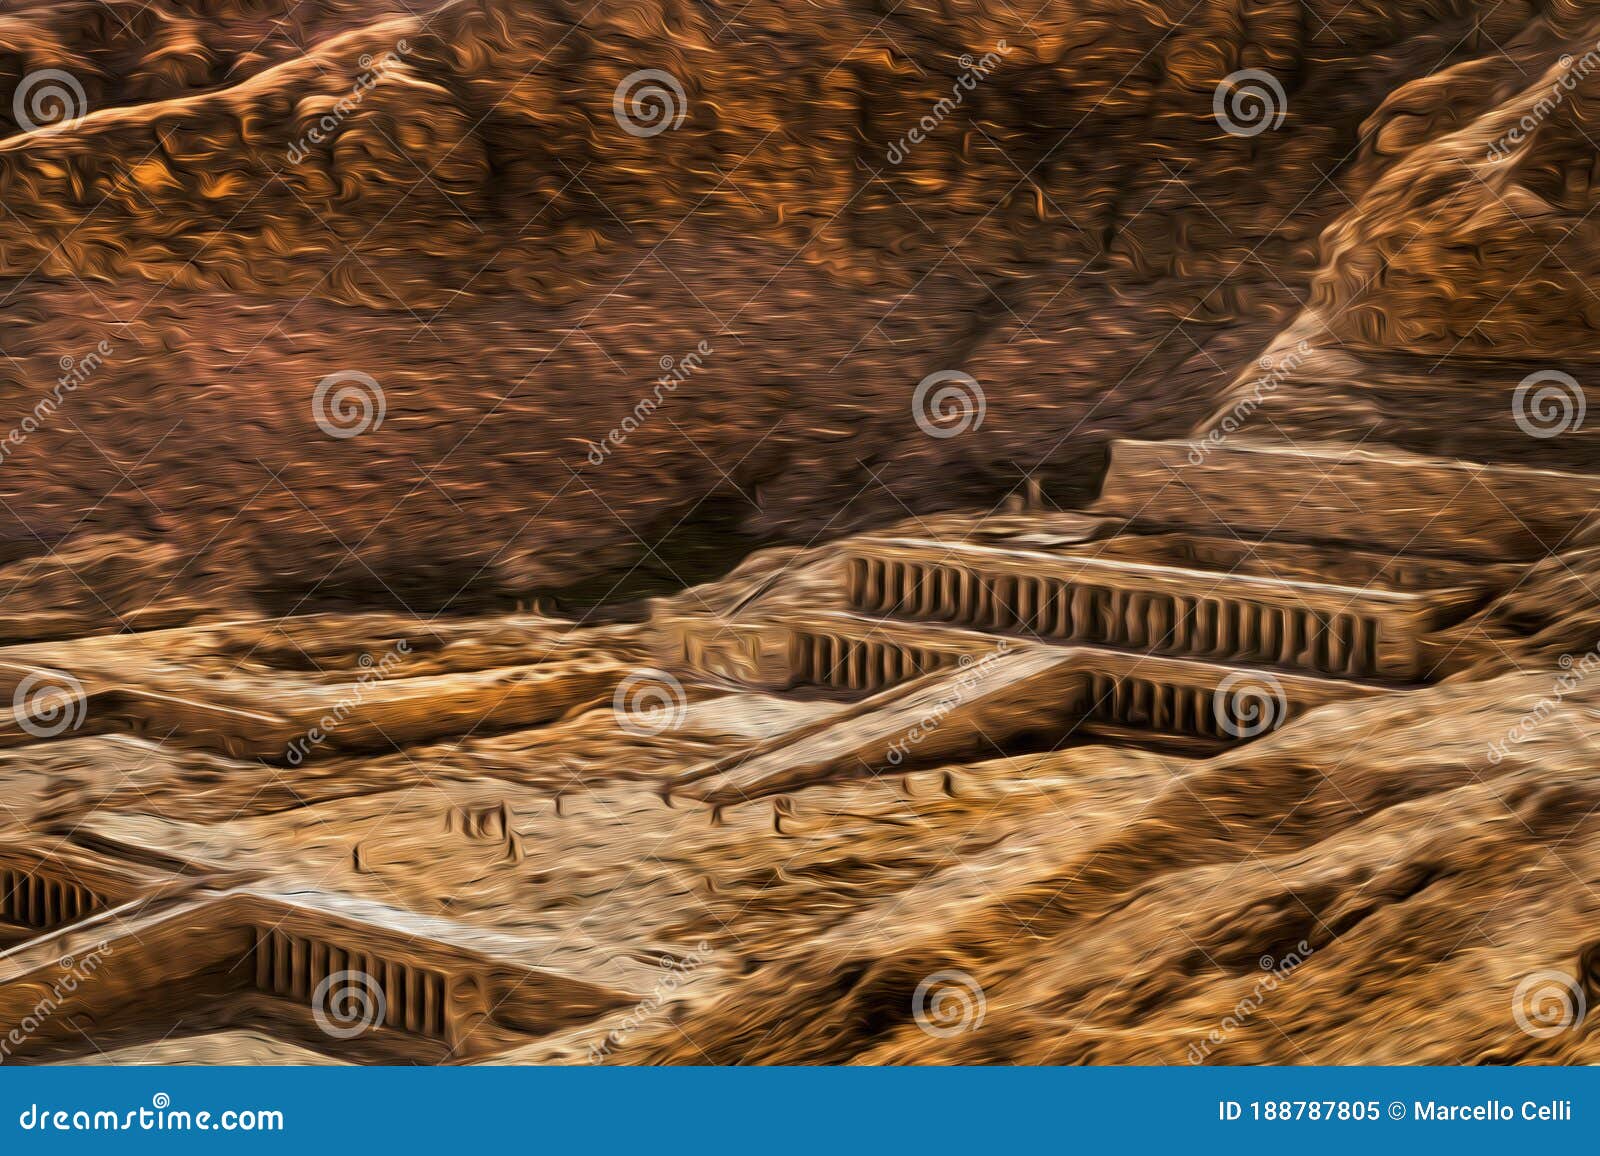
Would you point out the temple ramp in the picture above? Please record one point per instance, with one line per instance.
(973, 706)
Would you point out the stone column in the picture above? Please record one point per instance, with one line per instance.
(1061, 609)
(872, 592)
(1080, 615)
(1322, 642)
(1205, 627)
(1117, 634)
(949, 594)
(1361, 648)
(1005, 601)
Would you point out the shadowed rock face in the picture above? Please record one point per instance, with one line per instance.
(433, 306)
(446, 200)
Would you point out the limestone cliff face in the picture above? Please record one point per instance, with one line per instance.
(383, 304)
(1461, 268)
(517, 219)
